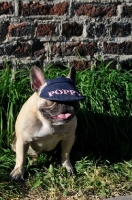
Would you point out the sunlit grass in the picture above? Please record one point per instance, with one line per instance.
(93, 178)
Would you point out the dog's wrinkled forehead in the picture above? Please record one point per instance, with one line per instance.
(61, 89)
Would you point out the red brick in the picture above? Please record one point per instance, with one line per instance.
(59, 9)
(56, 50)
(26, 49)
(45, 29)
(124, 48)
(22, 49)
(34, 9)
(121, 29)
(6, 8)
(40, 9)
(96, 30)
(8, 49)
(72, 29)
(1, 51)
(96, 10)
(19, 30)
(74, 49)
(85, 49)
(3, 29)
(127, 11)
(38, 48)
(80, 65)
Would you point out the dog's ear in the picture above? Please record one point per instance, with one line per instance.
(72, 74)
(37, 78)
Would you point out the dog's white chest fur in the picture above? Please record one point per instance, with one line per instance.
(43, 131)
(46, 137)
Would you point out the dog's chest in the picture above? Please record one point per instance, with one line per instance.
(47, 130)
(47, 137)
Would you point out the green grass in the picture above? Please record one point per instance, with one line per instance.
(93, 178)
(102, 151)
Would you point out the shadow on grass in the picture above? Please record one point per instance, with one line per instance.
(105, 136)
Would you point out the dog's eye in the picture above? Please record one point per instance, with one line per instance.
(41, 110)
(47, 106)
(49, 103)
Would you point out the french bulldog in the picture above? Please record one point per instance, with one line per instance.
(44, 121)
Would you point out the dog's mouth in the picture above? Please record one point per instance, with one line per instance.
(60, 111)
(62, 116)
(59, 117)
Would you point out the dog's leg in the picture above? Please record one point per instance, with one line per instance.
(21, 150)
(65, 156)
(33, 154)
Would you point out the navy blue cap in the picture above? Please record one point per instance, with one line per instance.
(61, 89)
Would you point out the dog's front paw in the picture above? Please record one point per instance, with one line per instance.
(68, 167)
(17, 174)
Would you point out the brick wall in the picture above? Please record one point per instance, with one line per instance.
(72, 32)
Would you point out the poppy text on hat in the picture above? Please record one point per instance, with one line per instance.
(63, 91)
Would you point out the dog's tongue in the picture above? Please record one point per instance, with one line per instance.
(64, 116)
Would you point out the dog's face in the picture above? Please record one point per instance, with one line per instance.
(57, 112)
